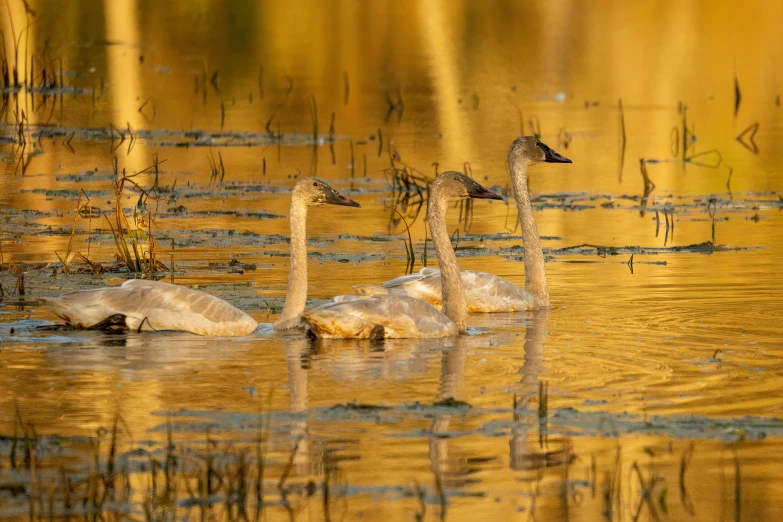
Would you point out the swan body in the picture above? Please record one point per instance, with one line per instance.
(378, 317)
(139, 305)
(485, 292)
(390, 315)
(152, 305)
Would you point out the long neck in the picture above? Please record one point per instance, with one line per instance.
(454, 305)
(535, 273)
(296, 294)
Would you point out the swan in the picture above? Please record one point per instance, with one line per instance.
(140, 304)
(393, 316)
(485, 292)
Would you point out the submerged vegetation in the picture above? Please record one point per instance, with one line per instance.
(189, 475)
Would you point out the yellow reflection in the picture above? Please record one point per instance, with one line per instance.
(124, 71)
(440, 30)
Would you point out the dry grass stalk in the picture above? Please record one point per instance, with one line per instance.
(129, 240)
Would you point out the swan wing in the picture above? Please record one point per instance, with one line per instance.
(403, 280)
(360, 317)
(425, 286)
(153, 305)
(484, 292)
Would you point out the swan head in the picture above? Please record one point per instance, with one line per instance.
(456, 186)
(316, 192)
(530, 150)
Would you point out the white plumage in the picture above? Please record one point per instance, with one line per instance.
(379, 317)
(484, 292)
(395, 315)
(153, 305)
(140, 305)
(487, 292)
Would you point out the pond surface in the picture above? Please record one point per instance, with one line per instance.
(650, 391)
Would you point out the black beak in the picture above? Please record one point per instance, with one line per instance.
(477, 191)
(551, 156)
(335, 198)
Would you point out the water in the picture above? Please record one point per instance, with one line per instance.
(648, 391)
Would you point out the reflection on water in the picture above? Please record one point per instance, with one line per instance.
(650, 390)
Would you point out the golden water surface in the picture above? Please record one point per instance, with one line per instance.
(652, 388)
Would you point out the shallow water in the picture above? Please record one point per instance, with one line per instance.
(650, 390)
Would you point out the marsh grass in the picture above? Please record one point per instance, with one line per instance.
(353, 161)
(84, 211)
(19, 286)
(136, 245)
(649, 186)
(116, 477)
(410, 255)
(217, 169)
(410, 195)
(647, 485)
(410, 189)
(611, 491)
(51, 492)
(330, 140)
(314, 118)
(207, 477)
